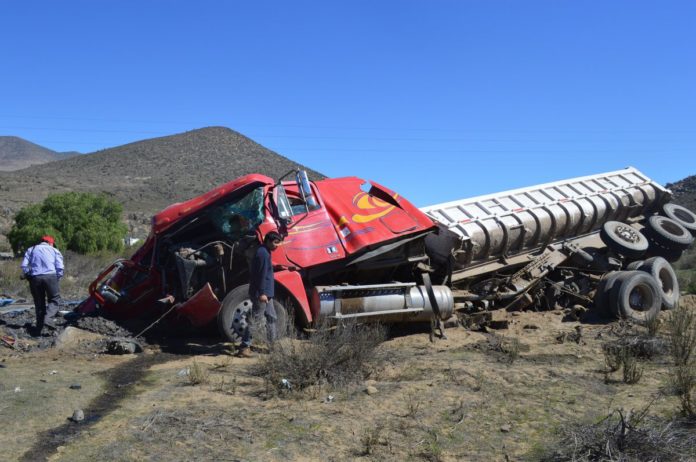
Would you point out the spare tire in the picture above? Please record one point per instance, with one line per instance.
(668, 233)
(636, 296)
(666, 278)
(681, 215)
(623, 239)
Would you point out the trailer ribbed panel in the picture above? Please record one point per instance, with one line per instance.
(501, 225)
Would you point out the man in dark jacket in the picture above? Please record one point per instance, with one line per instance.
(43, 267)
(261, 292)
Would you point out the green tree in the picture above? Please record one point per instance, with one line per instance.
(81, 222)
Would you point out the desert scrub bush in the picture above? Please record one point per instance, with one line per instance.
(371, 439)
(334, 357)
(618, 356)
(682, 335)
(197, 374)
(622, 436)
(510, 346)
(682, 329)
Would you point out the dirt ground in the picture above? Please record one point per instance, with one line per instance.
(452, 400)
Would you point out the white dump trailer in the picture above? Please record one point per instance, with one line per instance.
(567, 242)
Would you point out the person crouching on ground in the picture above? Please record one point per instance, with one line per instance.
(43, 267)
(261, 292)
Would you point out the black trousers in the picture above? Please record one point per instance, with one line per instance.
(45, 287)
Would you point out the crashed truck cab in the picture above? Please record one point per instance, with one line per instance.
(345, 244)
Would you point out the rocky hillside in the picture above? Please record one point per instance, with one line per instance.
(17, 153)
(147, 175)
(685, 192)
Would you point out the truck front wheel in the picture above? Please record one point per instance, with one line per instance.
(234, 314)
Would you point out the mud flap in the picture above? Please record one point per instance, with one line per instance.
(201, 308)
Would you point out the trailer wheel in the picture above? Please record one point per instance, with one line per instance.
(604, 287)
(634, 265)
(636, 296)
(681, 215)
(666, 278)
(668, 233)
(624, 239)
(232, 318)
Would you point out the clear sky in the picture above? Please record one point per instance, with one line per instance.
(437, 99)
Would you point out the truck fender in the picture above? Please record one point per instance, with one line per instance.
(292, 282)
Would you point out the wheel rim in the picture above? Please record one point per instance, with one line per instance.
(239, 318)
(640, 298)
(684, 216)
(627, 234)
(671, 228)
(666, 282)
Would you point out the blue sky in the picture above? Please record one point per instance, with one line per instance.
(436, 99)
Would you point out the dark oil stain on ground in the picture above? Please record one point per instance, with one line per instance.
(119, 385)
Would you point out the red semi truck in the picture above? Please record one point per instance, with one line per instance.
(355, 249)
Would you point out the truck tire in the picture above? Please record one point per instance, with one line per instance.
(623, 239)
(666, 278)
(681, 215)
(604, 287)
(634, 265)
(635, 296)
(668, 233)
(232, 318)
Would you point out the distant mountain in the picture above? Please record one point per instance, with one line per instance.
(148, 175)
(17, 153)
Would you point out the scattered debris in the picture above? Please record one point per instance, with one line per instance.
(17, 389)
(77, 416)
(123, 347)
(76, 386)
(506, 428)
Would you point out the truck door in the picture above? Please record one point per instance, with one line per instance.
(311, 239)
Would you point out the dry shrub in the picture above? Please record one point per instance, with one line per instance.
(624, 437)
(197, 374)
(334, 356)
(652, 324)
(682, 327)
(617, 356)
(510, 346)
(682, 335)
(371, 439)
(683, 382)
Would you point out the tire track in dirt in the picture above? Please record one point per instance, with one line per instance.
(119, 386)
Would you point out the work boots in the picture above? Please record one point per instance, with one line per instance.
(244, 352)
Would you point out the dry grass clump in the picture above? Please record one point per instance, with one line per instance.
(682, 336)
(623, 357)
(625, 437)
(197, 374)
(334, 356)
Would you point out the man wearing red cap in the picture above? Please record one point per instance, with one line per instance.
(43, 267)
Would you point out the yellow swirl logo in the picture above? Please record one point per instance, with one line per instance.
(374, 207)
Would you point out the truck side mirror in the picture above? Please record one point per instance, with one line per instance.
(306, 190)
(282, 204)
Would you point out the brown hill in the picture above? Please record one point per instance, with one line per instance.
(684, 192)
(148, 175)
(17, 153)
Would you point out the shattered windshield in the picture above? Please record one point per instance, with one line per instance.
(239, 216)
